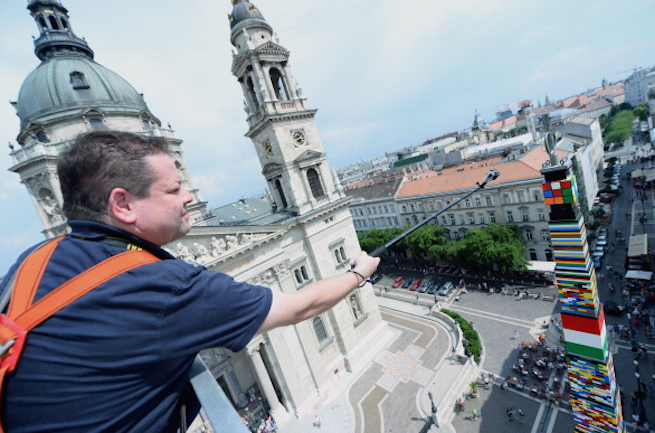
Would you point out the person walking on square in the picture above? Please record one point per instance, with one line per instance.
(521, 416)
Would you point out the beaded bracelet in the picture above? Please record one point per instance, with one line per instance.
(364, 279)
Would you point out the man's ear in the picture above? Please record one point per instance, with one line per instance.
(120, 206)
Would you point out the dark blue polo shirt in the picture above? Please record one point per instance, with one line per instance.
(116, 359)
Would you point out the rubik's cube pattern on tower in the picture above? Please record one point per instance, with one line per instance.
(595, 399)
(560, 192)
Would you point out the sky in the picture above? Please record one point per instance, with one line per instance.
(383, 74)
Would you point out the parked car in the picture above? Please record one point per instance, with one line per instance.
(596, 262)
(602, 232)
(433, 288)
(375, 278)
(425, 287)
(415, 285)
(406, 284)
(397, 282)
(446, 288)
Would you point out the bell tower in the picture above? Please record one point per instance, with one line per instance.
(281, 125)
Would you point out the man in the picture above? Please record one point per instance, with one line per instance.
(116, 359)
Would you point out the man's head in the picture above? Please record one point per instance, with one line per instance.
(125, 180)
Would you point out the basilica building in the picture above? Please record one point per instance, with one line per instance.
(302, 232)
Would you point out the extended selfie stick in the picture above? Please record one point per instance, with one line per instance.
(491, 175)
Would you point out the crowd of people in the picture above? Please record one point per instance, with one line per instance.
(541, 371)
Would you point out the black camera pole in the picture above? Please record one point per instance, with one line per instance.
(491, 175)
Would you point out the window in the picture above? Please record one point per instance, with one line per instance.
(471, 218)
(95, 122)
(477, 201)
(524, 215)
(528, 235)
(78, 81)
(536, 195)
(340, 254)
(315, 183)
(510, 216)
(278, 85)
(301, 275)
(489, 200)
(403, 208)
(467, 202)
(42, 137)
(280, 191)
(492, 217)
(533, 254)
(545, 236)
(431, 207)
(452, 219)
(443, 220)
(455, 235)
(481, 218)
(506, 199)
(319, 330)
(521, 195)
(461, 220)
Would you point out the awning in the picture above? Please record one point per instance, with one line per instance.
(538, 266)
(639, 275)
(638, 245)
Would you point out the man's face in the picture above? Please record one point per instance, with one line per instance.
(162, 217)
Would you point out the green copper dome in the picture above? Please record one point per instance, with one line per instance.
(72, 84)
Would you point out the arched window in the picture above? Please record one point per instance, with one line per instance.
(315, 183)
(280, 191)
(54, 25)
(254, 97)
(319, 329)
(278, 85)
(533, 254)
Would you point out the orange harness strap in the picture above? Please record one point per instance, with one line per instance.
(22, 316)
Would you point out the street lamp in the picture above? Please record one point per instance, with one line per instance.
(434, 407)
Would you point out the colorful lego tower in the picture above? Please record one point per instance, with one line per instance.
(595, 399)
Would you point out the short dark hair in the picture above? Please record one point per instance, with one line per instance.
(99, 161)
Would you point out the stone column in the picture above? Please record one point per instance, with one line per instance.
(277, 410)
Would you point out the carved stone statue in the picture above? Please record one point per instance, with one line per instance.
(231, 242)
(51, 208)
(218, 246)
(184, 252)
(202, 253)
(245, 239)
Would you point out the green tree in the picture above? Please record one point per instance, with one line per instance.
(620, 127)
(422, 241)
(641, 111)
(487, 248)
(375, 238)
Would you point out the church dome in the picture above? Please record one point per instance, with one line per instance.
(70, 85)
(243, 11)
